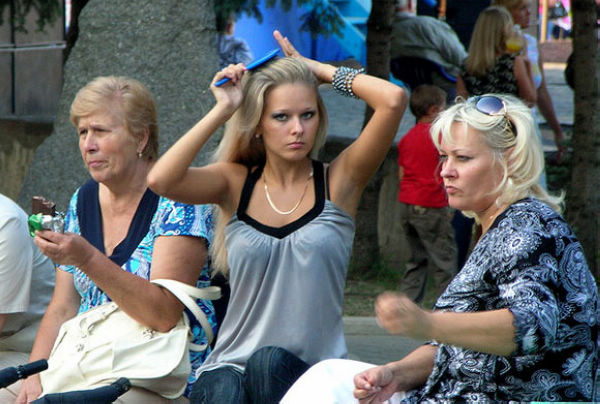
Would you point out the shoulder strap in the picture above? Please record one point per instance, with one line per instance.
(327, 195)
(249, 184)
(88, 214)
(90, 221)
(183, 291)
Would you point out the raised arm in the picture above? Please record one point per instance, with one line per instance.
(177, 257)
(486, 331)
(355, 166)
(173, 177)
(174, 257)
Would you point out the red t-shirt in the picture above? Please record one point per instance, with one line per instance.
(421, 184)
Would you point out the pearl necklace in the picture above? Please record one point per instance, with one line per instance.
(286, 212)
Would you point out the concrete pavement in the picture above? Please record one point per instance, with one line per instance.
(368, 342)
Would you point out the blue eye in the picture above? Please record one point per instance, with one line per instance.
(280, 117)
(308, 114)
(443, 157)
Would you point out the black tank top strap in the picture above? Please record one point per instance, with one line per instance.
(327, 195)
(317, 167)
(251, 180)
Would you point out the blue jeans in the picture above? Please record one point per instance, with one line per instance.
(270, 372)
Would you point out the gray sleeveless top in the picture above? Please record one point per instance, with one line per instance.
(287, 283)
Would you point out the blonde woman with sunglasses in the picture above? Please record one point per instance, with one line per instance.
(519, 322)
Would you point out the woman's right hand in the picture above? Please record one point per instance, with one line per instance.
(31, 389)
(374, 385)
(229, 95)
(399, 315)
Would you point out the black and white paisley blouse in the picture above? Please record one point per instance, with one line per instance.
(500, 79)
(531, 263)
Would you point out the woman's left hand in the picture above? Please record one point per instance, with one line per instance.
(64, 248)
(400, 315)
(322, 71)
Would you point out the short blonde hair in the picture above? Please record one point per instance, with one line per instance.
(126, 97)
(239, 145)
(492, 28)
(514, 143)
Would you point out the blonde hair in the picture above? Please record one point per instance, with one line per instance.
(513, 141)
(239, 144)
(492, 28)
(129, 99)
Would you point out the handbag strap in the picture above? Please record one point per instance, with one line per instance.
(183, 291)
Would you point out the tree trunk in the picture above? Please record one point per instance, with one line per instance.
(583, 205)
(379, 34)
(73, 32)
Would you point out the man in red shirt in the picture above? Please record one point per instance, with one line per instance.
(425, 214)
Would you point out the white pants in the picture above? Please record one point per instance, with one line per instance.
(330, 382)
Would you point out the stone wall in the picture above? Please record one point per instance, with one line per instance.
(167, 45)
(18, 140)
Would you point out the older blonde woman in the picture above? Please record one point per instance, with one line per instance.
(120, 234)
(520, 321)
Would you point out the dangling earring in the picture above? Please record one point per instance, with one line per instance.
(257, 136)
(139, 154)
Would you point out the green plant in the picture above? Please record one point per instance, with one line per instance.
(48, 12)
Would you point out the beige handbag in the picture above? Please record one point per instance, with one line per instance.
(97, 347)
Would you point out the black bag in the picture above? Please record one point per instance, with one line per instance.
(558, 11)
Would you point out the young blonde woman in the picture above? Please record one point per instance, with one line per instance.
(286, 221)
(490, 66)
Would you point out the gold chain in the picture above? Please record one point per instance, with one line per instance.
(286, 212)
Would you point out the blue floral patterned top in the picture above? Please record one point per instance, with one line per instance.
(169, 219)
(531, 263)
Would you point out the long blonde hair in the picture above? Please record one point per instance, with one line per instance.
(239, 144)
(493, 27)
(514, 143)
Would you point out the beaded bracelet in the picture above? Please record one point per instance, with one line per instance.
(342, 80)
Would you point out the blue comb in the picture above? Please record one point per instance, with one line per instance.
(253, 65)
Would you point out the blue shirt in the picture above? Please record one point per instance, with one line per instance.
(170, 219)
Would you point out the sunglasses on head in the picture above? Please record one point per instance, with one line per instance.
(491, 105)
